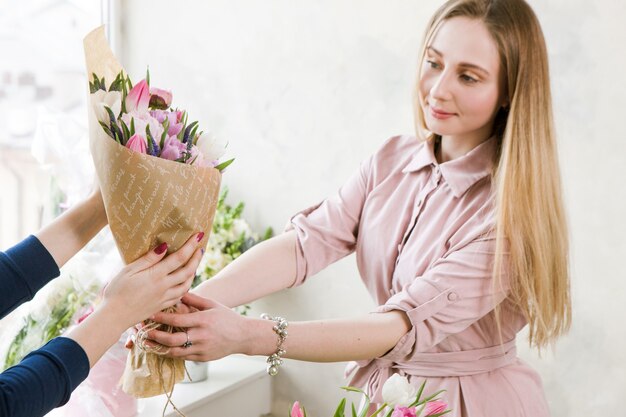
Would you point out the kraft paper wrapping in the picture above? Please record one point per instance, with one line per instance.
(148, 201)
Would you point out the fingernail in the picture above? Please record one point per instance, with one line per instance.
(200, 236)
(161, 248)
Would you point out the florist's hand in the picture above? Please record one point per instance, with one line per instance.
(214, 330)
(130, 340)
(153, 282)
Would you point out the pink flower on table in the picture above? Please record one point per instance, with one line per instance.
(160, 99)
(137, 143)
(172, 148)
(400, 411)
(138, 97)
(296, 410)
(434, 407)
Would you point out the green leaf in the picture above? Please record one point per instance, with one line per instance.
(380, 410)
(150, 140)
(432, 397)
(340, 411)
(353, 411)
(188, 131)
(124, 94)
(269, 232)
(132, 126)
(126, 131)
(353, 389)
(113, 125)
(148, 76)
(107, 130)
(421, 390)
(221, 167)
(192, 135)
(116, 85)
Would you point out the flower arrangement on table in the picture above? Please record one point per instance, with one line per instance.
(401, 399)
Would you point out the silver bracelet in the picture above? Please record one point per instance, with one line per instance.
(275, 359)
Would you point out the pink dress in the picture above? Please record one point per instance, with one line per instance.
(424, 241)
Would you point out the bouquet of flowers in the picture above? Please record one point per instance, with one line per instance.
(160, 178)
(401, 400)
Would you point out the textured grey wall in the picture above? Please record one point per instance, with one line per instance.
(305, 90)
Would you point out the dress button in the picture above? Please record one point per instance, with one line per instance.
(452, 296)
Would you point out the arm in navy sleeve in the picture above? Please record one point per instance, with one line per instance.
(24, 270)
(46, 378)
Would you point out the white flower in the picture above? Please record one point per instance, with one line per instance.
(398, 391)
(111, 99)
(214, 260)
(240, 227)
(211, 148)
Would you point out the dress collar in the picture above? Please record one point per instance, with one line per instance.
(460, 173)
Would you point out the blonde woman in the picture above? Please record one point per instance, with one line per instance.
(459, 235)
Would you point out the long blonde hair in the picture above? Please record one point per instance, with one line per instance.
(530, 218)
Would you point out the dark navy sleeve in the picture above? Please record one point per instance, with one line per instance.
(44, 379)
(24, 269)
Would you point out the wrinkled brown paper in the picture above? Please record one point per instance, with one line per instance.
(148, 201)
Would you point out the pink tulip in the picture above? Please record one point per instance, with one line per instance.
(434, 407)
(137, 143)
(138, 98)
(296, 410)
(172, 148)
(400, 411)
(160, 99)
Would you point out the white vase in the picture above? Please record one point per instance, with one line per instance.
(196, 372)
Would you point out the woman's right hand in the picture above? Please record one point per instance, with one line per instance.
(152, 282)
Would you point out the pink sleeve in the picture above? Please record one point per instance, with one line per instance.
(453, 294)
(328, 231)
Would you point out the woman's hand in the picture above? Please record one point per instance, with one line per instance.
(152, 282)
(214, 330)
(132, 336)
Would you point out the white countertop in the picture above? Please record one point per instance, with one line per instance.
(233, 382)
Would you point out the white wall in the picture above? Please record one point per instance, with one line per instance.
(305, 90)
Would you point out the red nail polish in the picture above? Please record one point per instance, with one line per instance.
(161, 248)
(200, 236)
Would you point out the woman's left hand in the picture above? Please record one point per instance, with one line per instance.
(213, 331)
